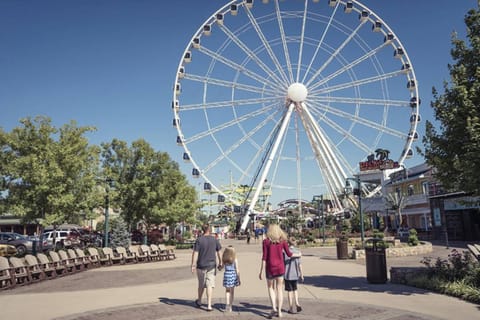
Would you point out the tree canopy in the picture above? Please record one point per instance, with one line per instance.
(47, 173)
(53, 175)
(453, 149)
(149, 186)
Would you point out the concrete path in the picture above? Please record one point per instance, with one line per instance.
(333, 289)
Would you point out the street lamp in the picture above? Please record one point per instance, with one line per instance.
(350, 190)
(109, 183)
(319, 201)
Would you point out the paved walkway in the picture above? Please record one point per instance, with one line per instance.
(333, 289)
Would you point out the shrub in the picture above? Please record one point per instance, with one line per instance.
(458, 276)
(413, 237)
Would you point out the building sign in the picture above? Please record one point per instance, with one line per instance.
(379, 161)
(462, 203)
(379, 165)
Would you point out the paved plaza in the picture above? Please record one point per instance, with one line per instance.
(333, 289)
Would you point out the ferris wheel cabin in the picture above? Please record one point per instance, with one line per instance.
(219, 17)
(411, 85)
(195, 173)
(363, 16)
(233, 9)
(196, 43)
(348, 7)
(406, 68)
(332, 3)
(186, 157)
(398, 53)
(207, 29)
(413, 102)
(377, 26)
(388, 38)
(249, 4)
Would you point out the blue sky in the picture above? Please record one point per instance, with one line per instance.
(112, 63)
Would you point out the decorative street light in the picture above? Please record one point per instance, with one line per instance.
(109, 183)
(318, 200)
(350, 190)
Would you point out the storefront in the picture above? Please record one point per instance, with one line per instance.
(455, 216)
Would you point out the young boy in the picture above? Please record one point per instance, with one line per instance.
(293, 272)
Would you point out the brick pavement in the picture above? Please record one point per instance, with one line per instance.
(333, 289)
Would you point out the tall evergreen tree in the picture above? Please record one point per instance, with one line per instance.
(120, 237)
(454, 148)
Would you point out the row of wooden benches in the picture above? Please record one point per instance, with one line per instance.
(474, 250)
(21, 271)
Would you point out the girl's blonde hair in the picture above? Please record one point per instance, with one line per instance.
(275, 233)
(229, 255)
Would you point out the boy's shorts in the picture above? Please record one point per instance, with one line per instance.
(291, 285)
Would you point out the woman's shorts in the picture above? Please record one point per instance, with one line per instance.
(271, 277)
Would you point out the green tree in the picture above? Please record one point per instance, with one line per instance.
(453, 148)
(148, 185)
(396, 202)
(120, 235)
(48, 173)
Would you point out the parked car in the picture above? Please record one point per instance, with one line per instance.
(63, 239)
(7, 250)
(20, 242)
(43, 245)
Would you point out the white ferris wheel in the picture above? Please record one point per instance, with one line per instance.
(292, 93)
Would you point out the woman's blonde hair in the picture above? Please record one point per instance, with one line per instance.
(275, 233)
(229, 255)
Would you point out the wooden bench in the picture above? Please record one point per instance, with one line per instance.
(474, 250)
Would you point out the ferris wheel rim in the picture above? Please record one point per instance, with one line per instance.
(224, 10)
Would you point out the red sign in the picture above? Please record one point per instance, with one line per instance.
(378, 165)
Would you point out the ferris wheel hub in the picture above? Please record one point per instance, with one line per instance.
(297, 92)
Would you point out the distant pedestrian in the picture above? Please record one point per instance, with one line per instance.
(293, 273)
(248, 236)
(231, 276)
(206, 250)
(273, 248)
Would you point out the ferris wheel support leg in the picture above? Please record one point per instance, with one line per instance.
(281, 133)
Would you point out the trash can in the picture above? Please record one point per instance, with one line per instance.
(376, 261)
(342, 248)
(34, 247)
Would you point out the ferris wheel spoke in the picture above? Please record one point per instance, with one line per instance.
(240, 68)
(347, 67)
(324, 153)
(334, 54)
(347, 134)
(359, 120)
(247, 136)
(227, 124)
(358, 83)
(302, 37)
(284, 40)
(228, 84)
(266, 44)
(363, 101)
(246, 49)
(319, 45)
(228, 103)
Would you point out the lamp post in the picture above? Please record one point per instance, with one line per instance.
(108, 182)
(319, 201)
(349, 189)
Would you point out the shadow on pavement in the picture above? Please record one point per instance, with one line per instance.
(360, 284)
